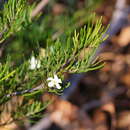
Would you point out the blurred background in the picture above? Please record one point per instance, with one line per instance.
(97, 100)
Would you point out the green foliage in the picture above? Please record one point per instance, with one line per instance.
(30, 110)
(59, 58)
(66, 58)
(14, 17)
(49, 27)
(67, 48)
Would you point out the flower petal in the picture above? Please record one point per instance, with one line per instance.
(32, 66)
(51, 84)
(57, 79)
(34, 63)
(50, 78)
(58, 86)
(33, 60)
(38, 64)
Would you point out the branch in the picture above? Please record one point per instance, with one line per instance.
(39, 7)
(43, 124)
(119, 19)
(39, 87)
(105, 99)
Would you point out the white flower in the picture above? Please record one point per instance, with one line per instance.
(54, 82)
(34, 63)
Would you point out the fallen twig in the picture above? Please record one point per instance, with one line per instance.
(43, 124)
(39, 7)
(118, 21)
(96, 103)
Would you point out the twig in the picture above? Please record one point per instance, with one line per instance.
(74, 80)
(43, 124)
(119, 20)
(39, 87)
(105, 100)
(39, 7)
(96, 103)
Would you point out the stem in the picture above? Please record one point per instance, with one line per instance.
(41, 86)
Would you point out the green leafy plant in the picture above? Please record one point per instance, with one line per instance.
(14, 17)
(43, 72)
